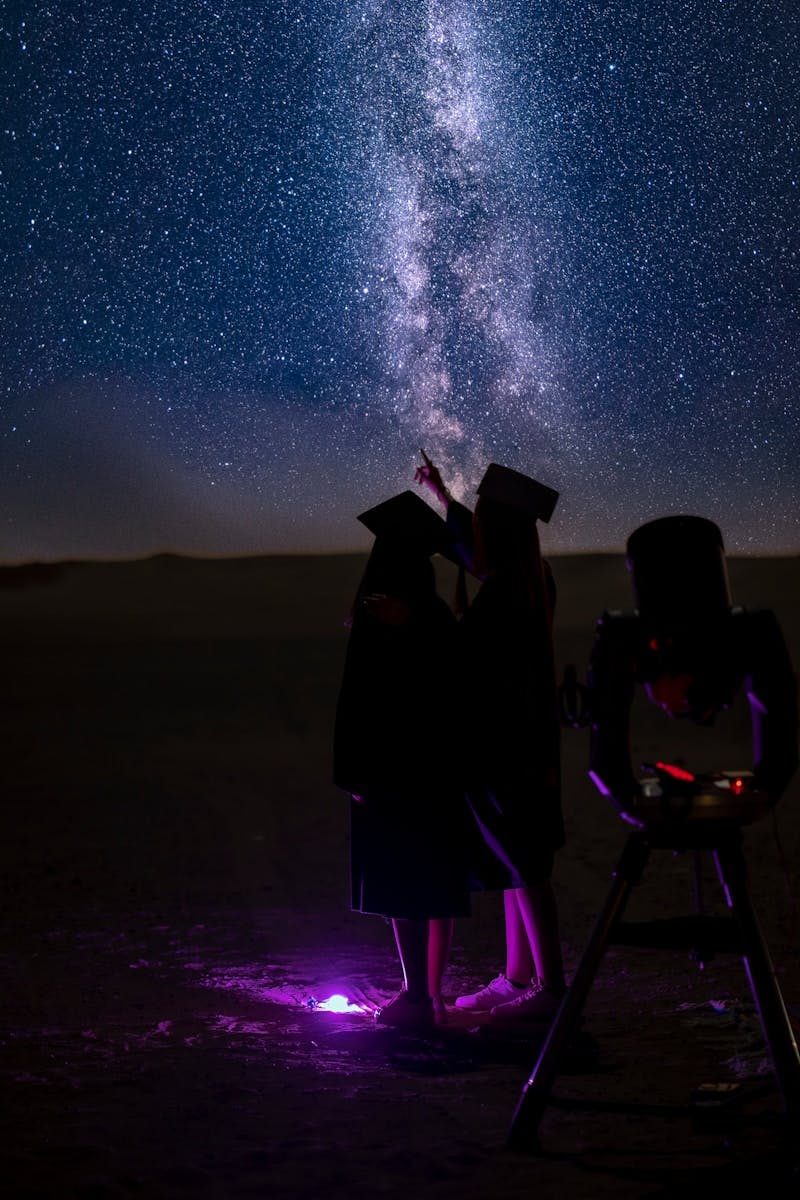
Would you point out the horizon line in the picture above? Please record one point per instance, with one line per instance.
(232, 556)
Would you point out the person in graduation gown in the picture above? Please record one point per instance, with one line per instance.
(393, 753)
(512, 732)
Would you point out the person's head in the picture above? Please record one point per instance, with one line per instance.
(407, 532)
(506, 533)
(399, 568)
(506, 538)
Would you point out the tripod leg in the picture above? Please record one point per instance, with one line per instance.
(732, 871)
(523, 1134)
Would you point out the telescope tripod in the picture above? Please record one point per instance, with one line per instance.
(724, 839)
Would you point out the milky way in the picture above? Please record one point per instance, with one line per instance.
(460, 282)
(257, 255)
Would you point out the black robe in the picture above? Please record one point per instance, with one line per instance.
(395, 746)
(511, 727)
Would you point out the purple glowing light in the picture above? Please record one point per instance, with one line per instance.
(338, 1004)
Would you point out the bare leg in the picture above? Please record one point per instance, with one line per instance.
(440, 936)
(412, 946)
(538, 913)
(519, 959)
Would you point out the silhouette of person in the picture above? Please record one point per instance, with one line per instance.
(393, 754)
(513, 732)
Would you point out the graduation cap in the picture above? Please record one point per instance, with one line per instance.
(520, 491)
(408, 519)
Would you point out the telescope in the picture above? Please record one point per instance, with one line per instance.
(692, 651)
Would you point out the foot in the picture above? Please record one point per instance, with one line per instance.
(407, 1013)
(496, 992)
(439, 1010)
(535, 1005)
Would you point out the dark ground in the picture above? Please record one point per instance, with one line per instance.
(174, 873)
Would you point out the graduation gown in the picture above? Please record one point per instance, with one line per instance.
(511, 727)
(394, 745)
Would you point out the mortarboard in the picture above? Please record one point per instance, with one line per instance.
(407, 518)
(520, 491)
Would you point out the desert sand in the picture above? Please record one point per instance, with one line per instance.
(174, 868)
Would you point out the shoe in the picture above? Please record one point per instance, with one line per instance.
(537, 1005)
(499, 990)
(406, 1013)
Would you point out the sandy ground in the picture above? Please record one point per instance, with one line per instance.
(174, 868)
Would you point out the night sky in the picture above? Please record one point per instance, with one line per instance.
(256, 255)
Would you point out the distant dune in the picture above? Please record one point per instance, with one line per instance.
(185, 596)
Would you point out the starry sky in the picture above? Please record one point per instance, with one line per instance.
(256, 255)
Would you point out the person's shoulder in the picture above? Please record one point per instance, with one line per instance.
(458, 513)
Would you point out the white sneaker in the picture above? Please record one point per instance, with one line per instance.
(536, 1004)
(497, 992)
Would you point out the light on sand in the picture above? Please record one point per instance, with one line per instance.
(338, 1004)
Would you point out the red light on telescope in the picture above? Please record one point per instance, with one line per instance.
(676, 772)
(737, 786)
(653, 643)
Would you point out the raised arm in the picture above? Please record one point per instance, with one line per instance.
(430, 476)
(459, 517)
